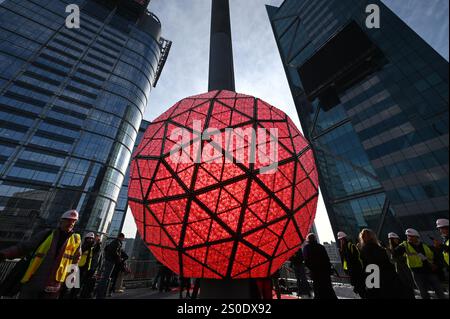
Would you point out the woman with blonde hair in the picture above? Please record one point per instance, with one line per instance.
(373, 254)
(367, 236)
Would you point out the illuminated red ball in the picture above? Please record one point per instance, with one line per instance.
(223, 185)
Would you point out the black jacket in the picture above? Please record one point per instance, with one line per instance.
(113, 251)
(352, 256)
(390, 284)
(316, 258)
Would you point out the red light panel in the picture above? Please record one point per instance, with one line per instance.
(222, 218)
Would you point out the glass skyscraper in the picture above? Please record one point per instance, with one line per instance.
(374, 105)
(71, 103)
(122, 201)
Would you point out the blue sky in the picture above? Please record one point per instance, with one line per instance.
(258, 68)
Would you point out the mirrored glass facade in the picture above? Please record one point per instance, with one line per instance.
(71, 103)
(122, 201)
(374, 105)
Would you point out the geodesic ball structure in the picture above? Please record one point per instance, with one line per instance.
(226, 216)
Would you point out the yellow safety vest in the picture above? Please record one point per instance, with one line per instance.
(351, 248)
(412, 257)
(84, 258)
(446, 253)
(73, 243)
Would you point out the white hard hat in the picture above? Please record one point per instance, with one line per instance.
(412, 232)
(341, 235)
(311, 236)
(393, 235)
(90, 235)
(70, 214)
(442, 223)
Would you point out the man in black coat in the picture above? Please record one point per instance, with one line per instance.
(318, 262)
(113, 253)
(118, 272)
(298, 265)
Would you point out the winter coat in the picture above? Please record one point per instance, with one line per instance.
(34, 288)
(391, 286)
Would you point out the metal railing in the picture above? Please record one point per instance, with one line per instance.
(288, 274)
(165, 46)
(145, 270)
(141, 270)
(151, 14)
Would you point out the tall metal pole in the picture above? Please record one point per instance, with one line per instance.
(221, 77)
(221, 68)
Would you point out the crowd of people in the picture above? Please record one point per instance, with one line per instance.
(43, 271)
(403, 266)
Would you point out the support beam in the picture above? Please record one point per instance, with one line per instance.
(221, 77)
(221, 68)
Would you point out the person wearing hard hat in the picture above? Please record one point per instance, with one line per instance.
(442, 250)
(50, 254)
(318, 262)
(96, 259)
(351, 263)
(442, 226)
(421, 261)
(401, 266)
(85, 263)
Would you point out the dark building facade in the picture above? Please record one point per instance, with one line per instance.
(71, 103)
(374, 105)
(122, 202)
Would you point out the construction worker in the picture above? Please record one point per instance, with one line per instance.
(52, 253)
(442, 249)
(85, 263)
(401, 266)
(90, 277)
(351, 263)
(421, 260)
(442, 225)
(318, 262)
